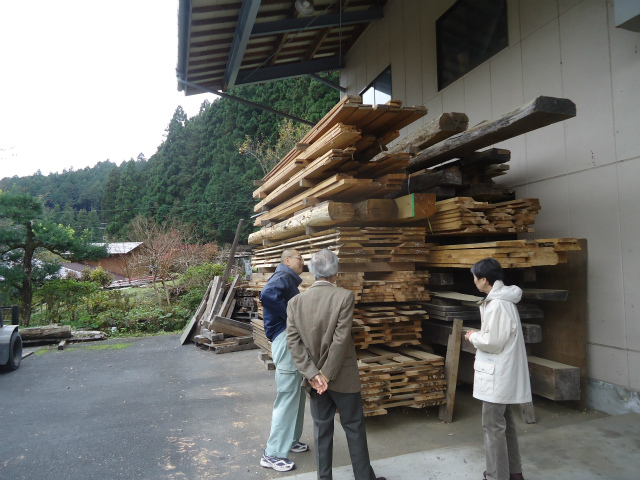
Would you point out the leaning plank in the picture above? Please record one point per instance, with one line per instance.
(230, 294)
(186, 333)
(539, 113)
(452, 361)
(554, 380)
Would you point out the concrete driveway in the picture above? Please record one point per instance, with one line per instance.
(149, 408)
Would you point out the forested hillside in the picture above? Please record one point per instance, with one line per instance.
(199, 175)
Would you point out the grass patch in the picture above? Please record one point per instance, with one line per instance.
(41, 351)
(115, 346)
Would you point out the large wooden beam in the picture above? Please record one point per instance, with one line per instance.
(539, 113)
(324, 214)
(435, 131)
(554, 380)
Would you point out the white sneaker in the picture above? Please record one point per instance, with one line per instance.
(278, 464)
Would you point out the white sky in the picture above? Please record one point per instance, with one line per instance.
(83, 81)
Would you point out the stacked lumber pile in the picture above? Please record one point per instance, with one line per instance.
(333, 160)
(470, 176)
(336, 184)
(510, 253)
(329, 193)
(400, 377)
(215, 327)
(465, 216)
(392, 325)
(368, 256)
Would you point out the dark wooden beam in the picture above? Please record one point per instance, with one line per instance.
(539, 113)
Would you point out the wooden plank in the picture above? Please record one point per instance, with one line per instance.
(565, 324)
(545, 294)
(188, 330)
(554, 380)
(438, 333)
(452, 361)
(230, 294)
(536, 114)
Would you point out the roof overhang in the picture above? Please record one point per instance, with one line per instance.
(228, 43)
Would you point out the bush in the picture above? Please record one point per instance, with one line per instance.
(200, 276)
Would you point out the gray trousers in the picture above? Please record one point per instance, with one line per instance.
(500, 441)
(323, 410)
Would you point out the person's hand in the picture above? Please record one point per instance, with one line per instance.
(319, 384)
(467, 335)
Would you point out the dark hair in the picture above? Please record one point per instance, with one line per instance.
(488, 268)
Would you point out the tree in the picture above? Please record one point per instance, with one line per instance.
(24, 234)
(166, 248)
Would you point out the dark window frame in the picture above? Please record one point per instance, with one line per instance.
(380, 81)
(485, 24)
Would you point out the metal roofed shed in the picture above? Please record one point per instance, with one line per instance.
(119, 248)
(227, 43)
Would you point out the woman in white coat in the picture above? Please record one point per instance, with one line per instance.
(501, 372)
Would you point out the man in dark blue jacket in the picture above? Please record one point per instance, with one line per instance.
(288, 409)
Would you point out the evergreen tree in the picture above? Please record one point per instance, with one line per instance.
(23, 235)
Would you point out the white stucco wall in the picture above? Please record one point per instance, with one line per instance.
(585, 171)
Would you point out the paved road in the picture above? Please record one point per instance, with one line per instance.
(158, 410)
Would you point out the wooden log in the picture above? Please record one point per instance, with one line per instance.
(46, 332)
(536, 114)
(554, 380)
(377, 209)
(324, 214)
(435, 131)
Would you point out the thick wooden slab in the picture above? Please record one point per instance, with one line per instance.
(554, 380)
(539, 113)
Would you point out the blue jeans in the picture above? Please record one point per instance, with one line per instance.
(288, 409)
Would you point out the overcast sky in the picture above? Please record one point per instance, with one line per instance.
(84, 81)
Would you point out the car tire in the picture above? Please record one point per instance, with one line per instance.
(15, 352)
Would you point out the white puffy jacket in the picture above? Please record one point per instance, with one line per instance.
(501, 370)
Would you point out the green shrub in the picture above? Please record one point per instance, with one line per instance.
(200, 276)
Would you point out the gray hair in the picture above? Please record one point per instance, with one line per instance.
(324, 264)
(290, 252)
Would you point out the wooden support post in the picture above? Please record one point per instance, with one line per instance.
(451, 371)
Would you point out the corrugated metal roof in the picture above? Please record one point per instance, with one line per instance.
(119, 248)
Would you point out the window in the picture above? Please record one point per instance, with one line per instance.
(378, 91)
(469, 33)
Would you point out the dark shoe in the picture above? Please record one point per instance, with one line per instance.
(300, 447)
(381, 478)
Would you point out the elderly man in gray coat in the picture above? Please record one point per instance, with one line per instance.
(321, 345)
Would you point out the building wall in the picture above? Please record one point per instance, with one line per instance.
(584, 170)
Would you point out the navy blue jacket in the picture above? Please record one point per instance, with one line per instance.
(281, 287)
